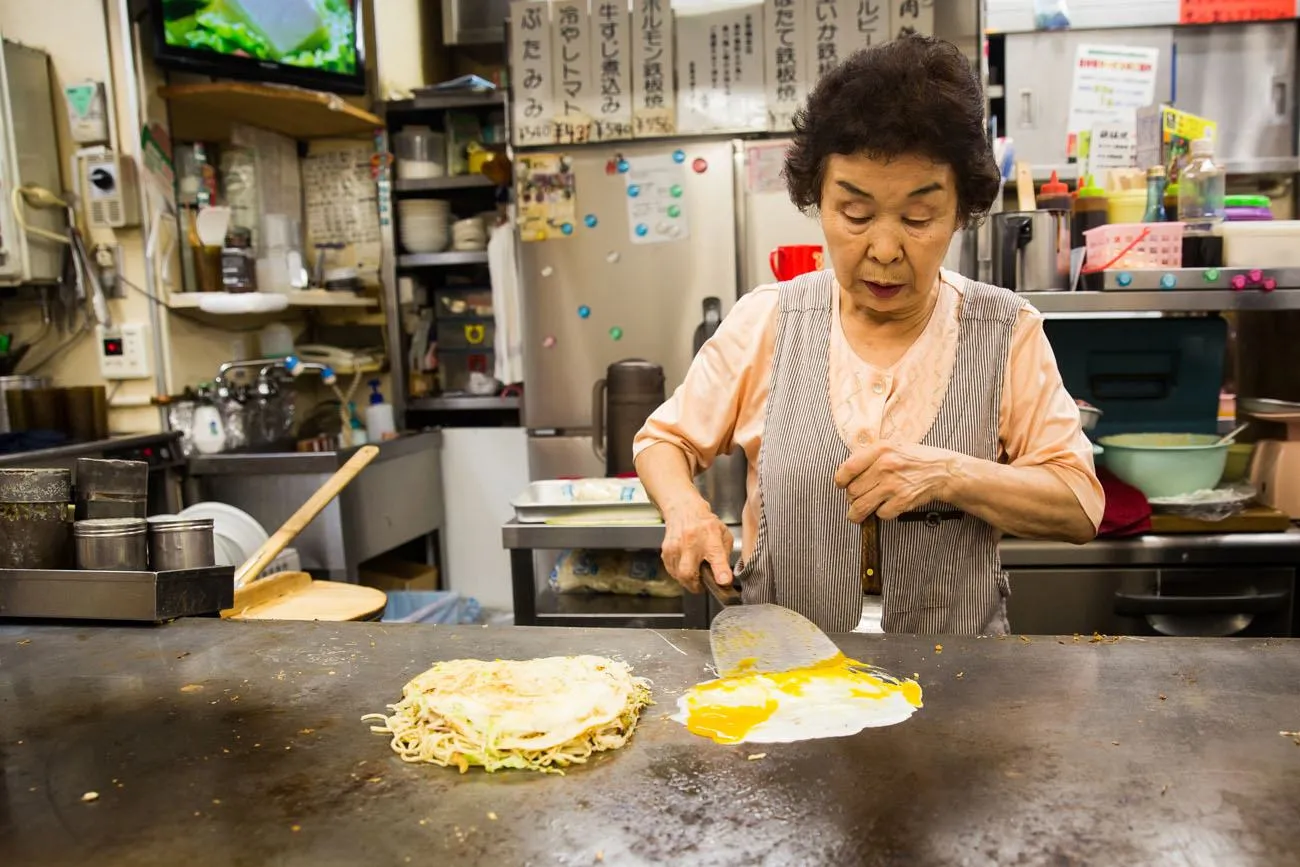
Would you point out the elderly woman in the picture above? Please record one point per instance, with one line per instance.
(882, 388)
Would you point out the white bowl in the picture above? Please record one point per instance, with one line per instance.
(424, 244)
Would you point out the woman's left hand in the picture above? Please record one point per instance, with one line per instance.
(888, 479)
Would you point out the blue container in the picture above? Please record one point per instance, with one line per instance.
(445, 607)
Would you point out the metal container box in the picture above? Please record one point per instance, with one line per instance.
(35, 527)
(177, 543)
(112, 544)
(111, 489)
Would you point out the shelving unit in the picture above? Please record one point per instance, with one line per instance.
(1184, 290)
(442, 260)
(433, 185)
(204, 112)
(458, 403)
(317, 299)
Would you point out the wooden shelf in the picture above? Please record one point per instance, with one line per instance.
(428, 185)
(442, 260)
(310, 298)
(204, 112)
(445, 101)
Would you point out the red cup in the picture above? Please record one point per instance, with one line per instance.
(790, 261)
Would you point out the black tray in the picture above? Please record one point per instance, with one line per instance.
(148, 597)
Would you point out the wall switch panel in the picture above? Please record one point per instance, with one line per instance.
(124, 351)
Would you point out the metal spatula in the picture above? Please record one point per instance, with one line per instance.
(747, 639)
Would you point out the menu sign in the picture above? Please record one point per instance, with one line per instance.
(533, 113)
(653, 99)
(913, 16)
(1226, 11)
(611, 61)
(575, 87)
(786, 62)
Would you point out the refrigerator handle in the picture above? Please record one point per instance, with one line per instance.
(598, 419)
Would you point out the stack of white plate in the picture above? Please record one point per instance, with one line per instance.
(468, 235)
(424, 224)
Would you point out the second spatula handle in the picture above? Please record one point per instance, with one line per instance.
(726, 594)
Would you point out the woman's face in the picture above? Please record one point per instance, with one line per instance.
(887, 226)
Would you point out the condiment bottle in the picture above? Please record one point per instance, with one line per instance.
(1201, 187)
(1054, 196)
(1155, 211)
(1171, 203)
(1089, 211)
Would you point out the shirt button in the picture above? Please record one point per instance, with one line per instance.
(878, 388)
(862, 438)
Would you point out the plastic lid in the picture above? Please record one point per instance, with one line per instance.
(1088, 189)
(1247, 202)
(1156, 172)
(375, 396)
(1054, 187)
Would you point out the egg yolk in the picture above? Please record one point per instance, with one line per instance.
(728, 709)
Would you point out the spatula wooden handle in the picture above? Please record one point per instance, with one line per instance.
(305, 514)
(725, 594)
(871, 556)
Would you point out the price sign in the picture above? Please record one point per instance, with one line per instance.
(1222, 11)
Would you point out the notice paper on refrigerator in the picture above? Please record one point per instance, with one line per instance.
(1110, 83)
(576, 95)
(532, 113)
(720, 71)
(546, 196)
(654, 102)
(656, 201)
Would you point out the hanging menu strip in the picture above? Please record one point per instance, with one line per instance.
(1225, 11)
(611, 61)
(720, 66)
(913, 16)
(575, 86)
(533, 113)
(786, 62)
(654, 109)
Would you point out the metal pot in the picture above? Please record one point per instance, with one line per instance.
(1031, 250)
(16, 383)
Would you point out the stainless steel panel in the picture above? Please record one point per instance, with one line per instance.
(474, 22)
(769, 219)
(653, 292)
(1039, 78)
(1244, 78)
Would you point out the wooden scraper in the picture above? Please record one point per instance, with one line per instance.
(749, 639)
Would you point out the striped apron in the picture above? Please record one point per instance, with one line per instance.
(940, 568)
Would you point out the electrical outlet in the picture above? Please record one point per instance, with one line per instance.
(106, 263)
(124, 351)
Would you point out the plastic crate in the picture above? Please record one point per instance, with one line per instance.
(1134, 246)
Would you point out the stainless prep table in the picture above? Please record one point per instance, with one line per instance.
(397, 499)
(1056, 586)
(215, 743)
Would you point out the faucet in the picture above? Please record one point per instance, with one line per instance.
(292, 365)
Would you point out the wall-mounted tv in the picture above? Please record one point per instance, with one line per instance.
(311, 43)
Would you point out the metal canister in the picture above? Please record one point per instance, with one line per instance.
(112, 544)
(181, 543)
(111, 489)
(35, 520)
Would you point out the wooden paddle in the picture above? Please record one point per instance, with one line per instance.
(295, 596)
(271, 549)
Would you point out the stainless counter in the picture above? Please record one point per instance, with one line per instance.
(161, 451)
(218, 743)
(395, 500)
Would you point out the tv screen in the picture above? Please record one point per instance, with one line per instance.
(314, 43)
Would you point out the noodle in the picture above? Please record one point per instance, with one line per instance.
(541, 714)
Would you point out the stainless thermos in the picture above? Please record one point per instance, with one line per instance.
(620, 404)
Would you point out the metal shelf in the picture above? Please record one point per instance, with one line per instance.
(1186, 301)
(460, 403)
(442, 260)
(430, 185)
(445, 101)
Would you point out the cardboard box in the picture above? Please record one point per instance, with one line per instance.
(390, 574)
(1165, 136)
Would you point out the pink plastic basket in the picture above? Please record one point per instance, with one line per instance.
(1134, 246)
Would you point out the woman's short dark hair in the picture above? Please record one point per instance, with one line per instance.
(913, 95)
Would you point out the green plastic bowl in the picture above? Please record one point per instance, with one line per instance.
(1166, 465)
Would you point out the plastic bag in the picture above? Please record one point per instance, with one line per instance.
(1051, 15)
(1211, 504)
(628, 573)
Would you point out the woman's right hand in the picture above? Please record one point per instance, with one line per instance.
(694, 535)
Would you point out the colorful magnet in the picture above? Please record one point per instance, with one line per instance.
(611, 167)
(634, 190)
(547, 271)
(612, 256)
(701, 165)
(567, 228)
(623, 166)
(590, 220)
(674, 211)
(584, 312)
(642, 230)
(616, 333)
(675, 191)
(548, 342)
(679, 156)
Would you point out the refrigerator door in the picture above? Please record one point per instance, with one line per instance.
(641, 300)
(768, 219)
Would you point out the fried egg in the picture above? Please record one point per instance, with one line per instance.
(839, 697)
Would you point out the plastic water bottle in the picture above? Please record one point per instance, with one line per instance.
(380, 424)
(1201, 186)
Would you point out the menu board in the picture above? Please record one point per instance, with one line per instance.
(653, 97)
(534, 109)
(576, 98)
(1222, 11)
(611, 63)
(720, 71)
